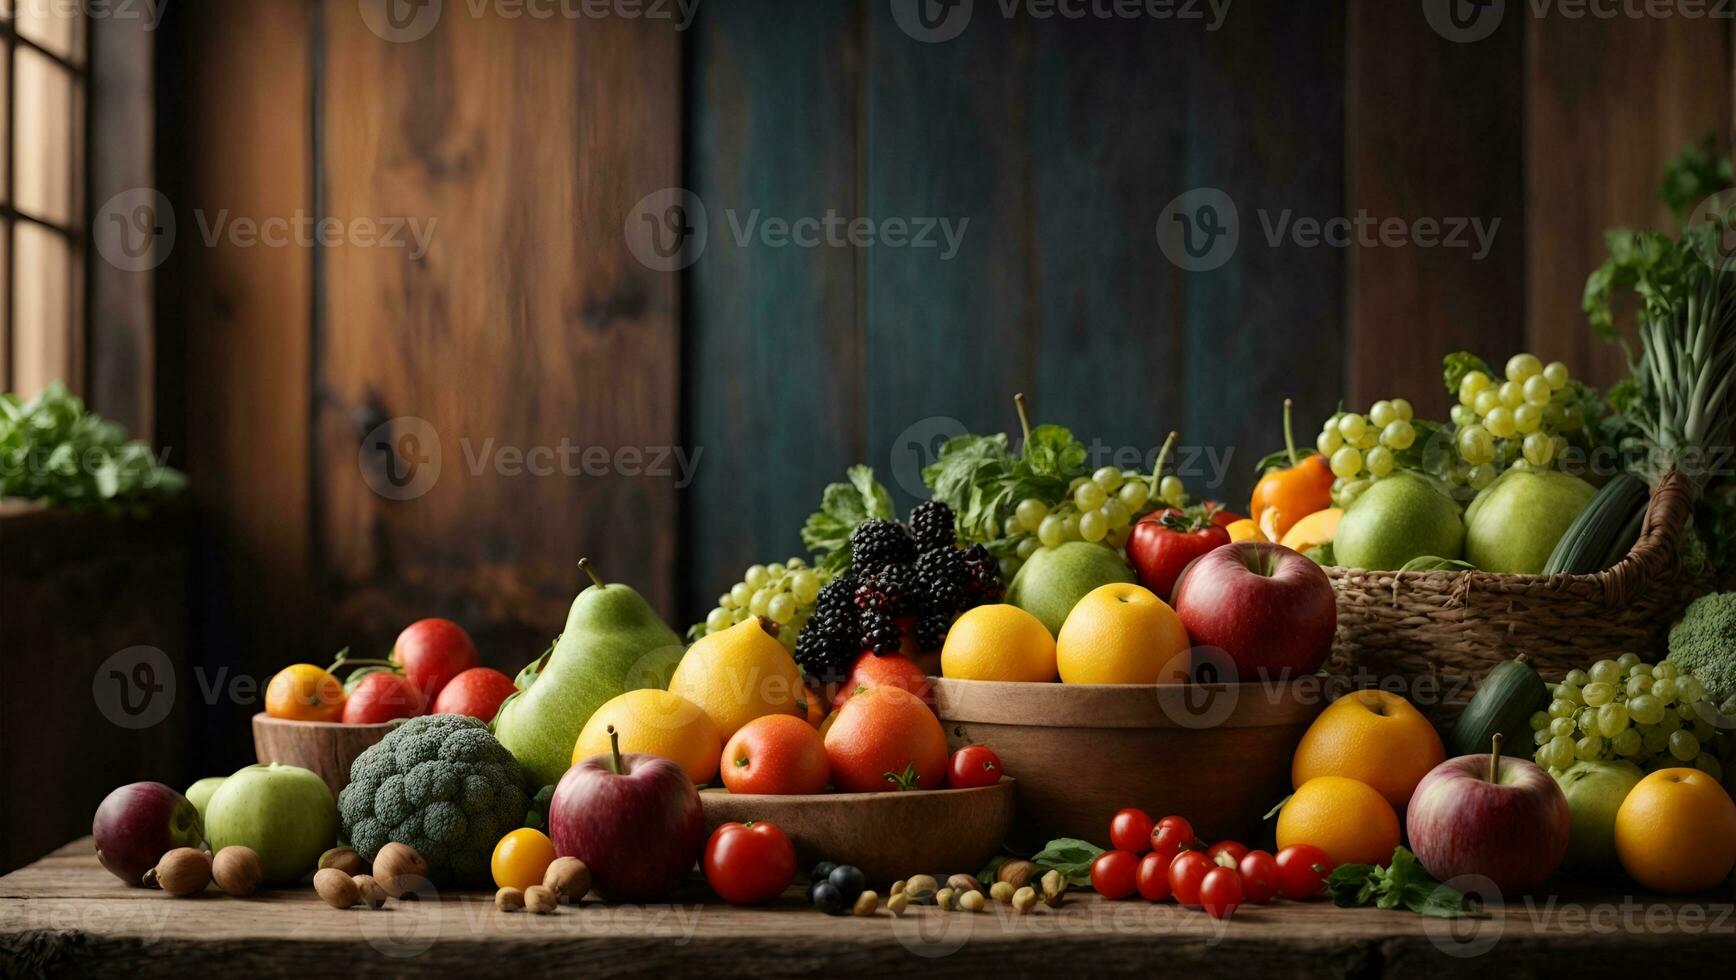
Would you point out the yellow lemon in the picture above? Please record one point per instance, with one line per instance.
(740, 674)
(1122, 633)
(998, 643)
(1312, 531)
(1245, 530)
(655, 723)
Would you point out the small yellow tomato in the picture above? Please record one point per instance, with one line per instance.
(521, 858)
(303, 692)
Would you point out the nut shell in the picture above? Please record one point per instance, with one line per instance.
(866, 904)
(372, 893)
(237, 870)
(1016, 873)
(964, 883)
(344, 859)
(921, 888)
(540, 899)
(568, 878)
(400, 870)
(509, 900)
(181, 872)
(336, 888)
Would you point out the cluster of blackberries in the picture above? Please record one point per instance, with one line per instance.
(901, 577)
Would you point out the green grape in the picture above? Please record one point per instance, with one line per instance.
(1030, 513)
(1562, 708)
(1051, 531)
(1379, 461)
(718, 619)
(1540, 720)
(1401, 409)
(1475, 445)
(1535, 390)
(1108, 477)
(1577, 677)
(1092, 526)
(1486, 401)
(1541, 737)
(1526, 419)
(1665, 670)
(805, 586)
(1612, 719)
(1640, 670)
(1353, 489)
(1462, 415)
(1480, 476)
(1689, 688)
(1134, 494)
(1703, 729)
(1117, 536)
(1627, 743)
(755, 577)
(1352, 426)
(1089, 496)
(1522, 366)
(1511, 394)
(1684, 746)
(1571, 692)
(740, 593)
(1664, 688)
(756, 604)
(781, 608)
(1115, 513)
(1078, 481)
(1561, 751)
(1398, 434)
(1627, 662)
(1011, 528)
(1638, 684)
(1709, 766)
(1672, 719)
(1538, 449)
(1499, 422)
(1588, 748)
(1381, 414)
(1572, 418)
(795, 563)
(1472, 383)
(1070, 527)
(1607, 671)
(1024, 549)
(1586, 719)
(1655, 741)
(1009, 567)
(1556, 374)
(1172, 491)
(1368, 440)
(775, 571)
(1560, 726)
(726, 601)
(1599, 693)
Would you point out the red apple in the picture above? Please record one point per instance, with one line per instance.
(1164, 542)
(1512, 829)
(381, 696)
(883, 670)
(478, 692)
(1268, 608)
(634, 820)
(432, 652)
(139, 823)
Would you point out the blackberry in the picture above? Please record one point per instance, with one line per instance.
(827, 644)
(931, 631)
(982, 576)
(837, 596)
(879, 542)
(940, 577)
(880, 633)
(875, 594)
(932, 525)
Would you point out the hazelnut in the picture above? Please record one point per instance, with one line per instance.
(540, 899)
(373, 895)
(237, 870)
(1002, 892)
(897, 903)
(921, 888)
(972, 901)
(344, 859)
(509, 900)
(1054, 888)
(964, 883)
(400, 870)
(181, 872)
(944, 898)
(897, 888)
(1016, 873)
(866, 903)
(1025, 899)
(568, 878)
(338, 889)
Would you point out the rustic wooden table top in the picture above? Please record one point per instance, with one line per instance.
(65, 915)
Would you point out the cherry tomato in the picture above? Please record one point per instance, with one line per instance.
(382, 696)
(1130, 830)
(1221, 892)
(1302, 871)
(1222, 516)
(432, 652)
(1113, 873)
(1171, 836)
(973, 765)
(1227, 853)
(1259, 876)
(1153, 877)
(1186, 871)
(521, 858)
(749, 862)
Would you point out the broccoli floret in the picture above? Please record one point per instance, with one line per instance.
(1703, 643)
(441, 784)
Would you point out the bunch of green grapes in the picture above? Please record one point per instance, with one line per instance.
(1521, 422)
(1360, 448)
(1653, 715)
(783, 592)
(1099, 507)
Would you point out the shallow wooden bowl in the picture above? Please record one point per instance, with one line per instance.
(1217, 754)
(888, 835)
(326, 747)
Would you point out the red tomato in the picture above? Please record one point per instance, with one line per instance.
(1113, 873)
(432, 652)
(973, 765)
(1185, 874)
(1164, 541)
(1172, 835)
(752, 862)
(382, 696)
(477, 692)
(1130, 830)
(1302, 871)
(1222, 516)
(1221, 892)
(1259, 876)
(1227, 853)
(1153, 877)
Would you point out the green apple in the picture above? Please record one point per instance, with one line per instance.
(1595, 791)
(1401, 517)
(285, 813)
(200, 792)
(614, 642)
(1053, 580)
(1515, 523)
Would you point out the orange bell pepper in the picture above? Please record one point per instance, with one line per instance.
(1293, 492)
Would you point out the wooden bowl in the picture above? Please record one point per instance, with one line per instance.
(888, 835)
(326, 747)
(1217, 754)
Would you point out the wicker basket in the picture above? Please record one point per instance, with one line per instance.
(1439, 632)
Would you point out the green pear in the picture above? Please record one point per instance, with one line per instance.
(1595, 792)
(1515, 523)
(1053, 580)
(1399, 518)
(199, 794)
(613, 643)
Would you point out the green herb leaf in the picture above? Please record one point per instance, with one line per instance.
(842, 507)
(1069, 856)
(1405, 884)
(1460, 363)
(53, 450)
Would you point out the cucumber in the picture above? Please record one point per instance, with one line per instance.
(1504, 703)
(1595, 532)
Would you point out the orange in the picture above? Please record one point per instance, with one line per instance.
(1374, 737)
(827, 723)
(998, 642)
(656, 723)
(739, 674)
(1285, 496)
(889, 670)
(885, 738)
(1244, 530)
(521, 858)
(303, 692)
(812, 704)
(1676, 832)
(1122, 633)
(777, 754)
(1314, 530)
(1348, 820)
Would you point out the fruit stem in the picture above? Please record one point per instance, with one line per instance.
(1024, 422)
(616, 766)
(591, 570)
(770, 626)
(1157, 470)
(1495, 758)
(1289, 434)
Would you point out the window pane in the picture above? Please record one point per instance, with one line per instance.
(55, 24)
(42, 315)
(5, 94)
(45, 151)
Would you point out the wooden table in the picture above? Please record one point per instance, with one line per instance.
(65, 915)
